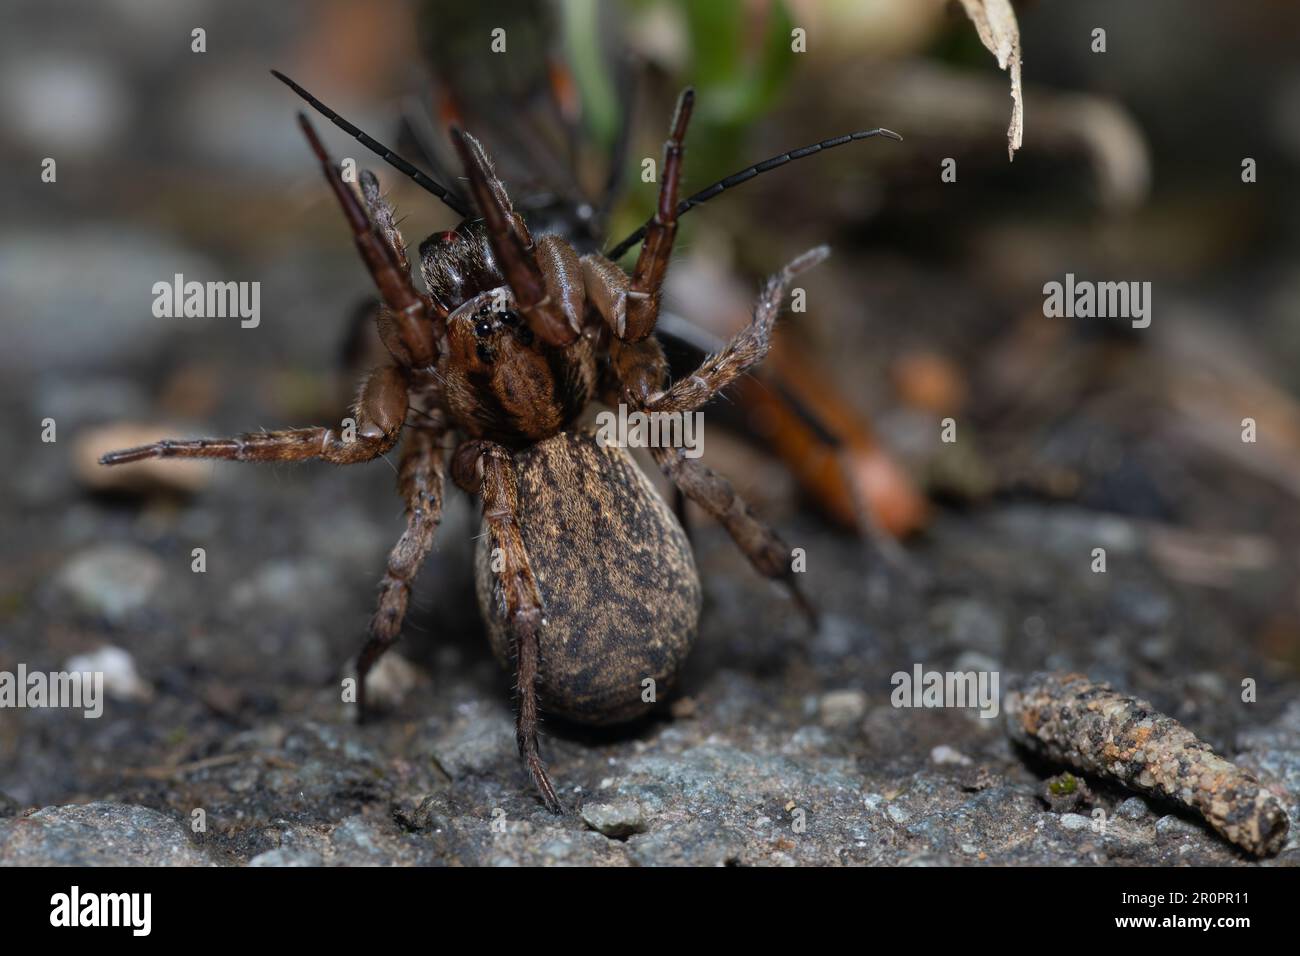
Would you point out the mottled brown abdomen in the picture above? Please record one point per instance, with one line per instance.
(619, 585)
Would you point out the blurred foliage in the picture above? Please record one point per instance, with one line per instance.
(741, 71)
(738, 77)
(584, 44)
(738, 63)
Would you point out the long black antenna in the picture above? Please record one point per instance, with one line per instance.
(449, 198)
(704, 195)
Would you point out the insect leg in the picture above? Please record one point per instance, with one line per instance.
(617, 251)
(487, 469)
(652, 264)
(378, 414)
(448, 197)
(419, 478)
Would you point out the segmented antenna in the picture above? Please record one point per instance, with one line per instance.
(704, 195)
(449, 198)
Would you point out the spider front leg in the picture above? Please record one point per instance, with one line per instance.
(419, 478)
(379, 412)
(746, 349)
(630, 305)
(548, 293)
(487, 469)
(642, 369)
(652, 263)
(415, 318)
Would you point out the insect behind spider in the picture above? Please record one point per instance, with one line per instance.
(583, 574)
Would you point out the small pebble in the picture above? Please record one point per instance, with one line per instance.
(683, 708)
(971, 625)
(390, 680)
(943, 754)
(112, 580)
(617, 819)
(285, 857)
(1134, 808)
(121, 680)
(840, 708)
(1172, 827)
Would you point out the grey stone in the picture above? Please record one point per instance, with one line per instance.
(98, 834)
(1134, 808)
(971, 625)
(897, 813)
(839, 708)
(290, 585)
(619, 818)
(111, 580)
(944, 754)
(116, 268)
(1173, 828)
(356, 841)
(287, 857)
(475, 743)
(121, 679)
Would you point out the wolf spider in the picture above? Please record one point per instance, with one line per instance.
(585, 577)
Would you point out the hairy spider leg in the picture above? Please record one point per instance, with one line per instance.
(515, 250)
(652, 264)
(417, 317)
(487, 469)
(642, 367)
(379, 412)
(420, 482)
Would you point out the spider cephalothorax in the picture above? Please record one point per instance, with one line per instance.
(503, 381)
(584, 575)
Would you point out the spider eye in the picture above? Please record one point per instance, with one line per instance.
(509, 317)
(482, 327)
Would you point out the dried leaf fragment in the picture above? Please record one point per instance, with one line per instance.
(995, 21)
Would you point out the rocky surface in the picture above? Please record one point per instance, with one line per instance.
(98, 834)
(781, 746)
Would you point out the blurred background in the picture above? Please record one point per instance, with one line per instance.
(1072, 433)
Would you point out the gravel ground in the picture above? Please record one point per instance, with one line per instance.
(781, 748)
(224, 741)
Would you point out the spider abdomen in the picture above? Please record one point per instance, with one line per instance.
(616, 575)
